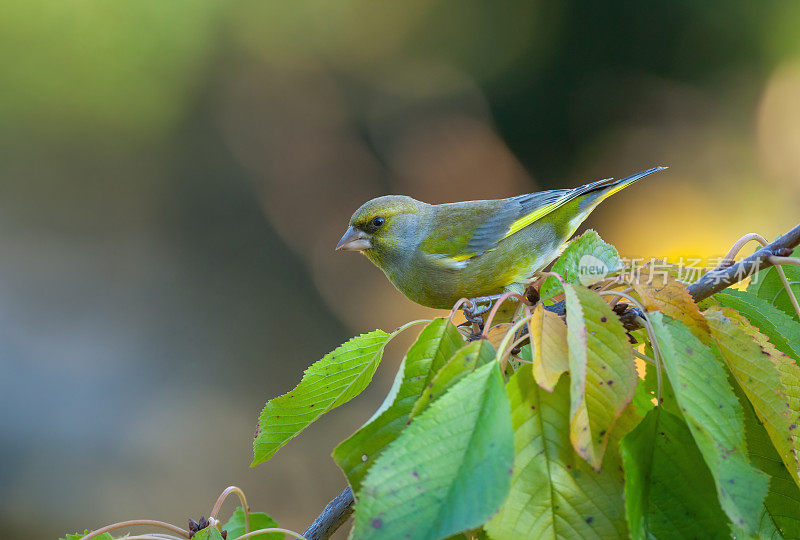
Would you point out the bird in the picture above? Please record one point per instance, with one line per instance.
(437, 254)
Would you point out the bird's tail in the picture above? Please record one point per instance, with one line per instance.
(606, 188)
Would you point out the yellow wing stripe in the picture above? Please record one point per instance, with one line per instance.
(526, 220)
(459, 258)
(539, 213)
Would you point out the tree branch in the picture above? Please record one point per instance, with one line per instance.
(332, 517)
(341, 507)
(717, 279)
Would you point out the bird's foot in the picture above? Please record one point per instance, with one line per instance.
(475, 307)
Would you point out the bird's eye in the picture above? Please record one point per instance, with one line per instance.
(377, 222)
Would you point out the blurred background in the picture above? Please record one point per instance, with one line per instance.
(174, 177)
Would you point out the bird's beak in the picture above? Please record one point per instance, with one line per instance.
(354, 240)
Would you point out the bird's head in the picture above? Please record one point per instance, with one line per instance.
(382, 226)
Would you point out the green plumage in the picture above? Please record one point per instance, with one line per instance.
(437, 254)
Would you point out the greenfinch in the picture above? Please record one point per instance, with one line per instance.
(436, 254)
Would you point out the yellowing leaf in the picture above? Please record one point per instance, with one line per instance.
(549, 343)
(659, 291)
(602, 372)
(497, 333)
(758, 368)
(782, 330)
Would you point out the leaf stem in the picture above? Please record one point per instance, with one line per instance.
(134, 523)
(153, 536)
(786, 285)
(644, 357)
(774, 259)
(271, 530)
(730, 258)
(644, 321)
(457, 305)
(406, 326)
(488, 322)
(517, 343)
(501, 349)
(224, 495)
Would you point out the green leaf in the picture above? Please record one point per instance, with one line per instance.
(780, 513)
(781, 329)
(586, 260)
(448, 471)
(549, 341)
(209, 533)
(435, 346)
(756, 368)
(714, 417)
(602, 372)
(258, 520)
(463, 362)
(554, 492)
(669, 491)
(336, 379)
(78, 536)
(767, 284)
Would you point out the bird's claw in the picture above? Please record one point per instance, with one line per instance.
(473, 315)
(475, 307)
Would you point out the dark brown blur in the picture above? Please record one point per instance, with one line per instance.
(175, 175)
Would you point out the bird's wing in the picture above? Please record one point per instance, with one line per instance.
(461, 231)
